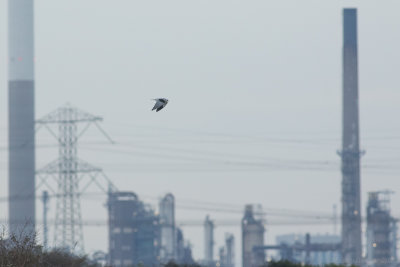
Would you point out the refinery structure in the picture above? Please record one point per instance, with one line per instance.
(381, 231)
(138, 236)
(141, 234)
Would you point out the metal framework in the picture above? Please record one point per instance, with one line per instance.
(134, 231)
(69, 171)
(380, 230)
(288, 252)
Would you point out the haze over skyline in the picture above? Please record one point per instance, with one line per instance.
(266, 79)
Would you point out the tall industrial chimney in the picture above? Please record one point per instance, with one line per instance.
(21, 135)
(350, 154)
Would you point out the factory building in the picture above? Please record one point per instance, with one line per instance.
(252, 237)
(168, 232)
(380, 224)
(134, 231)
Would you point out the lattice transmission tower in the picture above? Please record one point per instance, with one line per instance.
(68, 171)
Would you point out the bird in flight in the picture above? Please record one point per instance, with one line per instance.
(160, 104)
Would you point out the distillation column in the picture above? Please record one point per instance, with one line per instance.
(168, 230)
(208, 241)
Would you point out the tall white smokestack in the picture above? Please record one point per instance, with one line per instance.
(21, 116)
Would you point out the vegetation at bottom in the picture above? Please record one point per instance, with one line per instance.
(23, 250)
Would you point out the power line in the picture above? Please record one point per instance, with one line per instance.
(187, 204)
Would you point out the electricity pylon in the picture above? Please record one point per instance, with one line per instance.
(69, 171)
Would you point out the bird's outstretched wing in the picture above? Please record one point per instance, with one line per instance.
(157, 105)
(160, 108)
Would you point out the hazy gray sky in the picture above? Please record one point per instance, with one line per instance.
(255, 100)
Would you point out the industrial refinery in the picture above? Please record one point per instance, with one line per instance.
(223, 176)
